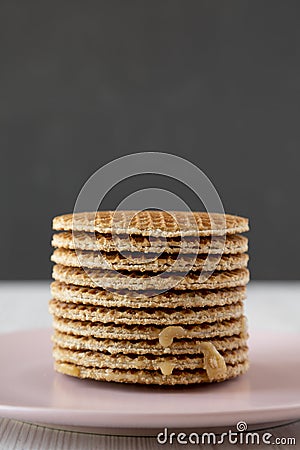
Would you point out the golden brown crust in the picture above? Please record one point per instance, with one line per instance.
(148, 332)
(99, 360)
(153, 223)
(181, 377)
(142, 347)
(137, 281)
(135, 299)
(143, 263)
(145, 316)
(137, 243)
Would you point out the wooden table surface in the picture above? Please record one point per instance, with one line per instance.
(23, 305)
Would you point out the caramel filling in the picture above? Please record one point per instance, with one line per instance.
(166, 367)
(214, 363)
(70, 370)
(244, 332)
(167, 335)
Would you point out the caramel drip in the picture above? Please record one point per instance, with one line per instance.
(70, 370)
(214, 363)
(167, 335)
(244, 333)
(166, 367)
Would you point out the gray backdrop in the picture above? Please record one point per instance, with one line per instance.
(217, 82)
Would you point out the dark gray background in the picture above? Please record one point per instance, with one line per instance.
(217, 82)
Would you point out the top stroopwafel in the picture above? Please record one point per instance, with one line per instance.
(153, 223)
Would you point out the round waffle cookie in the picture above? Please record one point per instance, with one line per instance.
(153, 314)
(153, 223)
(147, 299)
(82, 240)
(178, 377)
(88, 358)
(145, 347)
(156, 332)
(144, 316)
(143, 263)
(140, 281)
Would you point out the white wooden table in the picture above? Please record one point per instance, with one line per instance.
(23, 305)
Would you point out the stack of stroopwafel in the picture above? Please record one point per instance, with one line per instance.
(122, 313)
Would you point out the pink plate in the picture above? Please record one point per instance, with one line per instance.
(30, 390)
